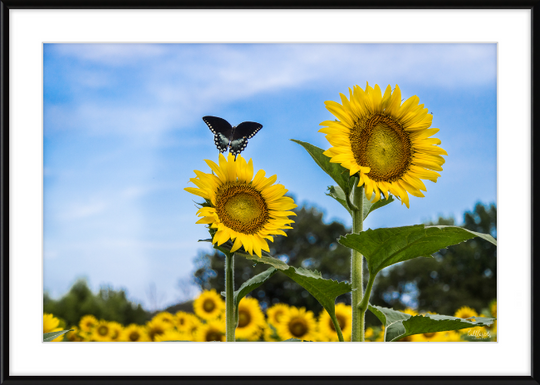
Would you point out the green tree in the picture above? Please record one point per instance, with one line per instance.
(107, 304)
(462, 275)
(311, 243)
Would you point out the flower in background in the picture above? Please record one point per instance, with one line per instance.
(209, 305)
(156, 327)
(88, 323)
(74, 336)
(102, 332)
(387, 143)
(171, 335)
(185, 322)
(250, 320)
(165, 318)
(466, 312)
(277, 312)
(116, 330)
(248, 210)
(134, 333)
(211, 331)
(327, 329)
(50, 324)
(299, 324)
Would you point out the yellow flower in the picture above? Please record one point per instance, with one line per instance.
(186, 322)
(250, 320)
(116, 330)
(171, 335)
(211, 331)
(245, 209)
(327, 329)
(102, 332)
(466, 312)
(299, 324)
(50, 324)
(134, 333)
(87, 323)
(75, 335)
(387, 143)
(166, 318)
(277, 312)
(156, 327)
(209, 305)
(368, 334)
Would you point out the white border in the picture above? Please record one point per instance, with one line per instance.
(30, 28)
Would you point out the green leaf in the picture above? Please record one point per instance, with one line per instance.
(250, 285)
(48, 337)
(292, 340)
(370, 206)
(337, 193)
(387, 246)
(399, 325)
(335, 170)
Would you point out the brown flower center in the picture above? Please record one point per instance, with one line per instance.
(341, 321)
(244, 318)
(382, 144)
(134, 336)
(209, 305)
(213, 335)
(241, 207)
(298, 327)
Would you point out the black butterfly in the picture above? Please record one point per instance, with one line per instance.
(233, 138)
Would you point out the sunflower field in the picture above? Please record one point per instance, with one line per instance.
(280, 322)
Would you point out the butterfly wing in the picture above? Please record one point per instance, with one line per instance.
(222, 131)
(241, 134)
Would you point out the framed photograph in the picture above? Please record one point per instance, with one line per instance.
(122, 126)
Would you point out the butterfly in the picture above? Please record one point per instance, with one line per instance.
(235, 138)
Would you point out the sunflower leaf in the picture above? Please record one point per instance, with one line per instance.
(387, 246)
(370, 206)
(337, 193)
(48, 337)
(337, 172)
(250, 285)
(399, 325)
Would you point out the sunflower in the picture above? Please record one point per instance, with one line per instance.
(211, 331)
(165, 318)
(171, 335)
(327, 329)
(277, 312)
(116, 330)
(88, 323)
(184, 322)
(50, 324)
(466, 312)
(102, 332)
(134, 333)
(369, 333)
(156, 327)
(245, 209)
(449, 336)
(74, 336)
(250, 320)
(299, 324)
(387, 143)
(209, 305)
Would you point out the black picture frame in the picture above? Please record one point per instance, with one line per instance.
(7, 5)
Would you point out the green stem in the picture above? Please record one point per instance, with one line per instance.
(337, 327)
(230, 322)
(363, 306)
(356, 265)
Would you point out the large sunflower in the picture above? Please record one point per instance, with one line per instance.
(250, 320)
(209, 305)
(88, 323)
(299, 324)
(387, 143)
(102, 332)
(327, 329)
(245, 209)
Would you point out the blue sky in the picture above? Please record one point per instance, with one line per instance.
(123, 133)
